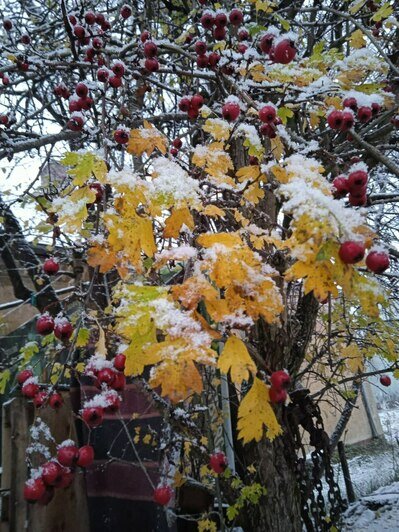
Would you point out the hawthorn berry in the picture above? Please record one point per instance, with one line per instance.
(90, 18)
(267, 114)
(377, 261)
(214, 59)
(357, 179)
(45, 324)
(357, 201)
(364, 114)
(106, 376)
(277, 395)
(81, 90)
(335, 119)
(385, 380)
(284, 52)
(200, 48)
(266, 43)
(7, 24)
(30, 389)
(221, 19)
(347, 120)
(219, 33)
(207, 20)
(51, 266)
(126, 11)
(162, 495)
(177, 143)
(63, 329)
(118, 68)
(184, 104)
(218, 462)
(236, 17)
(24, 375)
(34, 489)
(93, 416)
(121, 136)
(145, 35)
(55, 401)
(202, 61)
(351, 103)
(119, 382)
(40, 399)
(230, 111)
(340, 187)
(51, 473)
(150, 49)
(67, 455)
(280, 379)
(115, 82)
(151, 64)
(351, 252)
(85, 456)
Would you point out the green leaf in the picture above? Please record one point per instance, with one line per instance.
(27, 352)
(83, 337)
(4, 379)
(384, 12)
(284, 113)
(284, 22)
(257, 28)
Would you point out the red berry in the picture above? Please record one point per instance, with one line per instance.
(40, 399)
(357, 201)
(67, 478)
(254, 161)
(395, 121)
(72, 20)
(335, 119)
(385, 380)
(214, 59)
(79, 32)
(242, 48)
(151, 65)
(277, 396)
(266, 43)
(24, 375)
(364, 114)
(118, 68)
(230, 111)
(193, 113)
(106, 376)
(86, 103)
(375, 108)
(7, 24)
(103, 75)
(174, 152)
(357, 179)
(90, 18)
(75, 104)
(184, 104)
(63, 329)
(162, 495)
(67, 455)
(202, 61)
(51, 266)
(221, 20)
(115, 82)
(219, 33)
(4, 119)
(75, 123)
(85, 456)
(99, 190)
(358, 192)
(6, 80)
(197, 101)
(218, 462)
(280, 379)
(150, 49)
(236, 17)
(126, 11)
(347, 120)
(267, 113)
(93, 416)
(45, 324)
(377, 261)
(145, 35)
(30, 389)
(25, 39)
(47, 496)
(100, 19)
(119, 382)
(34, 489)
(97, 43)
(207, 21)
(177, 143)
(284, 52)
(268, 131)
(340, 187)
(52, 473)
(243, 35)
(113, 402)
(351, 103)
(121, 136)
(200, 48)
(55, 401)
(351, 252)
(81, 90)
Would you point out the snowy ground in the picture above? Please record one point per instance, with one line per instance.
(373, 477)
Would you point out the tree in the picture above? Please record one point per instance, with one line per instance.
(228, 171)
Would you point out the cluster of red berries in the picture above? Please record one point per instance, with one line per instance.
(279, 380)
(150, 50)
(83, 30)
(61, 326)
(176, 145)
(279, 49)
(108, 377)
(58, 472)
(344, 120)
(191, 105)
(268, 115)
(31, 390)
(217, 22)
(351, 252)
(355, 184)
(112, 76)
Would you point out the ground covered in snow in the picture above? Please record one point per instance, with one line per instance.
(375, 475)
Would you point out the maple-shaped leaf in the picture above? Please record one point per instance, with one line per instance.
(145, 140)
(218, 128)
(143, 333)
(99, 255)
(229, 240)
(72, 208)
(193, 290)
(353, 358)
(213, 211)
(236, 359)
(255, 414)
(84, 166)
(176, 220)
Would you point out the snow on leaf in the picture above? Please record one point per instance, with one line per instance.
(219, 129)
(236, 359)
(84, 166)
(255, 414)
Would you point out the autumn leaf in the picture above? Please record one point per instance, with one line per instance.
(255, 414)
(353, 358)
(213, 211)
(5, 377)
(277, 147)
(219, 129)
(176, 220)
(236, 359)
(145, 140)
(84, 166)
(229, 240)
(357, 39)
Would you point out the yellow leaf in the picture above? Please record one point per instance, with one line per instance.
(141, 334)
(236, 359)
(219, 129)
(146, 140)
(176, 220)
(248, 173)
(101, 348)
(357, 39)
(206, 525)
(384, 12)
(192, 291)
(277, 147)
(255, 413)
(353, 358)
(229, 240)
(213, 211)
